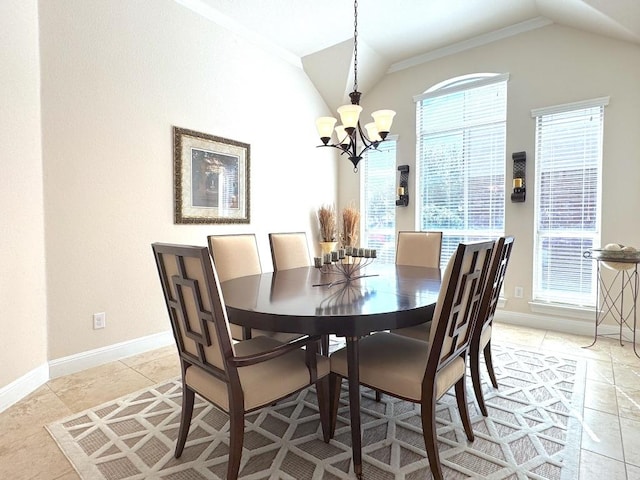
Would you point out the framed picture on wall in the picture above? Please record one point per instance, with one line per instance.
(211, 178)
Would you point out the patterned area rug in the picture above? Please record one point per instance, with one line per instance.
(533, 432)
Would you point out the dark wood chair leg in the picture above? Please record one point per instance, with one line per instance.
(324, 405)
(461, 398)
(428, 415)
(378, 395)
(474, 358)
(488, 360)
(188, 397)
(335, 385)
(236, 439)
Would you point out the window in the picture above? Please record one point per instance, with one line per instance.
(567, 201)
(379, 200)
(461, 132)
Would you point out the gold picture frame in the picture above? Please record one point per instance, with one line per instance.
(211, 178)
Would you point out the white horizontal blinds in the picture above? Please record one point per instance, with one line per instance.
(568, 201)
(379, 201)
(461, 151)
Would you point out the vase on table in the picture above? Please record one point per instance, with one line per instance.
(328, 247)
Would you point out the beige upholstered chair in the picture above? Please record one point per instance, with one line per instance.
(481, 338)
(419, 249)
(422, 372)
(289, 250)
(237, 256)
(237, 378)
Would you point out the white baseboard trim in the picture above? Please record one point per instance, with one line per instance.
(23, 386)
(557, 324)
(99, 356)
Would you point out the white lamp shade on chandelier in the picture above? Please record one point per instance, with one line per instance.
(349, 133)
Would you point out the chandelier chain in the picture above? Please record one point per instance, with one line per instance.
(355, 46)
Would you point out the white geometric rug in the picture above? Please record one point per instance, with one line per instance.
(533, 432)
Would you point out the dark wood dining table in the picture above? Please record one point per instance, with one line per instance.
(393, 296)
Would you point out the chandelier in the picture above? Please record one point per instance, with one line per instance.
(351, 138)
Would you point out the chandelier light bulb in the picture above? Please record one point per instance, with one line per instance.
(349, 115)
(343, 136)
(383, 120)
(372, 132)
(324, 125)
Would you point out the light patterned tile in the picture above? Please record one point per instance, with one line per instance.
(35, 456)
(577, 345)
(600, 370)
(631, 440)
(601, 396)
(505, 333)
(597, 467)
(601, 434)
(150, 356)
(160, 369)
(633, 472)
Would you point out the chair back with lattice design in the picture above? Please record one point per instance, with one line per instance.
(495, 279)
(289, 250)
(458, 303)
(419, 249)
(195, 306)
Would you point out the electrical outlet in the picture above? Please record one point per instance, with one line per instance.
(99, 320)
(519, 292)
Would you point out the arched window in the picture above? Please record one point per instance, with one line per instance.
(461, 148)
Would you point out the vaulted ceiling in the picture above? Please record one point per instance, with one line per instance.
(396, 34)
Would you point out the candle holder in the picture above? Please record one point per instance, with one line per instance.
(348, 262)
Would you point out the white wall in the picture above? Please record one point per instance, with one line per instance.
(116, 76)
(548, 66)
(23, 321)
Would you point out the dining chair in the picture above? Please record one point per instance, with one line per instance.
(419, 249)
(481, 338)
(289, 250)
(237, 378)
(236, 255)
(422, 372)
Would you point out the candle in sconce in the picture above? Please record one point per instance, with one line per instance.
(317, 262)
(348, 250)
(367, 253)
(374, 254)
(327, 258)
(334, 256)
(341, 253)
(361, 252)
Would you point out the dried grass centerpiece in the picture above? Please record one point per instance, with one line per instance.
(350, 225)
(328, 223)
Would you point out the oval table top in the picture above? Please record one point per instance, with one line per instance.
(394, 296)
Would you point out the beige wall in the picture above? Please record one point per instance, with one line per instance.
(117, 76)
(548, 66)
(23, 321)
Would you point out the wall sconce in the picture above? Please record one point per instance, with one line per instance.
(519, 169)
(403, 186)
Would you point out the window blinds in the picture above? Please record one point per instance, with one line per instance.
(567, 201)
(379, 200)
(461, 160)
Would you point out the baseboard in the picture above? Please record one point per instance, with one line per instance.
(99, 356)
(557, 324)
(23, 386)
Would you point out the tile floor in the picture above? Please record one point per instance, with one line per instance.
(610, 440)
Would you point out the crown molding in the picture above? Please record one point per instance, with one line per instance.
(478, 41)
